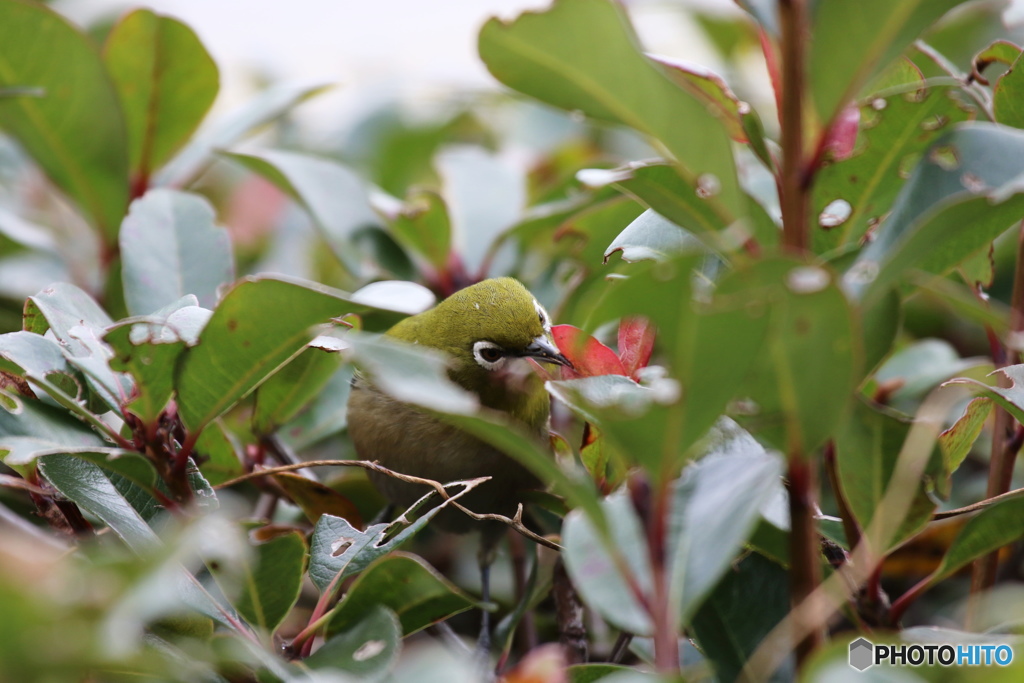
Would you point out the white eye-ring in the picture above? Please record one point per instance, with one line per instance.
(489, 355)
(542, 315)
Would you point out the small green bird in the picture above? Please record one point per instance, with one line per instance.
(489, 330)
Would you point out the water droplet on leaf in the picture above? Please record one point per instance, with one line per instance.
(807, 279)
(836, 213)
(708, 185)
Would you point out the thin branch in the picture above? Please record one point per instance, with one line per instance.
(980, 505)
(365, 464)
(516, 523)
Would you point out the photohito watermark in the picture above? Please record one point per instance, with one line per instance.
(865, 654)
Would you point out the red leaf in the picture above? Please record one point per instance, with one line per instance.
(636, 343)
(589, 357)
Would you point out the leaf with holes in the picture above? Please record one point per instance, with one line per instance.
(367, 649)
(972, 175)
(852, 42)
(895, 130)
(339, 550)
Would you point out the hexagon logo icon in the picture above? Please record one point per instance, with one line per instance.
(861, 654)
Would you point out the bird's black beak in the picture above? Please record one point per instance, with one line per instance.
(543, 350)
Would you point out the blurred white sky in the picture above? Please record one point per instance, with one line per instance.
(377, 48)
(371, 48)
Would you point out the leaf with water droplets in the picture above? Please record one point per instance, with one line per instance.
(892, 131)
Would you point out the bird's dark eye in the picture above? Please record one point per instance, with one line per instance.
(490, 354)
(540, 317)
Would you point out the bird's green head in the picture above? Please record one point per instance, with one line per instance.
(487, 328)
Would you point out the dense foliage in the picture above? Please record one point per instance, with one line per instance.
(782, 431)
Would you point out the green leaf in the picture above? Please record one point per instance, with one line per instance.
(808, 368)
(919, 367)
(33, 428)
(968, 177)
(711, 89)
(75, 131)
(148, 348)
(603, 579)
(61, 307)
(366, 650)
(602, 72)
(258, 326)
(50, 367)
(78, 322)
(272, 581)
(1008, 95)
(151, 364)
(956, 442)
(171, 247)
(658, 186)
(324, 416)
(633, 417)
(715, 507)
(334, 196)
(39, 360)
(867, 451)
(745, 605)
(85, 484)
(246, 120)
(880, 323)
(712, 344)
(166, 80)
(852, 42)
(651, 237)
(1010, 398)
(339, 550)
(217, 450)
(991, 529)
(291, 388)
(894, 131)
(413, 590)
(421, 225)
